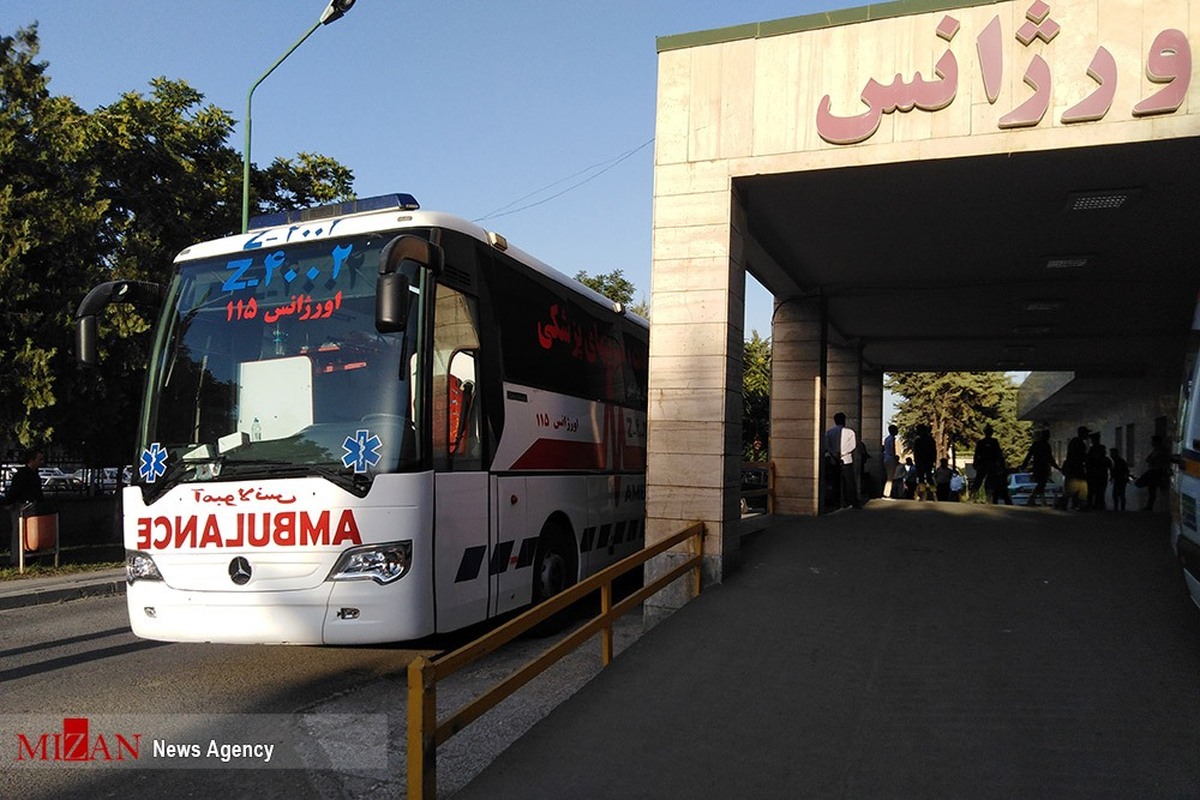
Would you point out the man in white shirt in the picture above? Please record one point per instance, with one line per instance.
(841, 443)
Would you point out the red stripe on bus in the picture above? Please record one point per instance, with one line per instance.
(634, 457)
(557, 454)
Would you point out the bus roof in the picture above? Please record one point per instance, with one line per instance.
(394, 218)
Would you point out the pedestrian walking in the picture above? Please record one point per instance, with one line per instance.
(990, 469)
(1039, 461)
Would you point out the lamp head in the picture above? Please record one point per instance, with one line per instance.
(335, 10)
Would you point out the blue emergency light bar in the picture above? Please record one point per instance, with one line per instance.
(383, 202)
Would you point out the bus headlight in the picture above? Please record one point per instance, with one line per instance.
(382, 563)
(140, 566)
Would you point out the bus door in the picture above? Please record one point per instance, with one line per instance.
(463, 535)
(513, 560)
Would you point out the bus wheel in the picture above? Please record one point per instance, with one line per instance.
(551, 569)
(552, 574)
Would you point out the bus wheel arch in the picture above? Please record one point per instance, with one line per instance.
(556, 566)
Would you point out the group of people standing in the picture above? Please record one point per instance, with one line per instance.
(1088, 469)
(917, 478)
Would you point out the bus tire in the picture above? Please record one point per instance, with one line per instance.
(553, 572)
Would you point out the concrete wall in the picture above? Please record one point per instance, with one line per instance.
(748, 106)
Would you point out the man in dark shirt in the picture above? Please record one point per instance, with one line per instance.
(1074, 470)
(1041, 459)
(990, 469)
(26, 487)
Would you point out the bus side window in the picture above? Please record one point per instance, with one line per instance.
(457, 444)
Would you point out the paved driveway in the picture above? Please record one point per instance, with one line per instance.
(905, 650)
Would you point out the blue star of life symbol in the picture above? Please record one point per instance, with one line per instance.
(154, 463)
(361, 452)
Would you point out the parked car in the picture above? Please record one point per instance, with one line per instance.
(754, 479)
(104, 480)
(1022, 484)
(6, 474)
(55, 480)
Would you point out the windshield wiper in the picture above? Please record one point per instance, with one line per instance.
(356, 483)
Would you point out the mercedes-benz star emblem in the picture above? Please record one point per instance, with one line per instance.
(239, 571)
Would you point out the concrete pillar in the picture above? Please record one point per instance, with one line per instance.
(872, 427)
(797, 334)
(694, 421)
(843, 386)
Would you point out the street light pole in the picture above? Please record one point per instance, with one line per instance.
(333, 12)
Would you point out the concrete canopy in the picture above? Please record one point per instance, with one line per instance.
(943, 264)
(922, 185)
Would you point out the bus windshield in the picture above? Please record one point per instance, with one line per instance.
(267, 363)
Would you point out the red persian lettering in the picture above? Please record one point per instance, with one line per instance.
(554, 331)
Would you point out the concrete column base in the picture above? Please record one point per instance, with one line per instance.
(665, 603)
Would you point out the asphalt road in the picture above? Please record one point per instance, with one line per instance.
(79, 659)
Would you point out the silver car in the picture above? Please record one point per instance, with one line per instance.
(1022, 484)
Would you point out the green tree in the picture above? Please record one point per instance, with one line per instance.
(756, 396)
(89, 197)
(50, 212)
(957, 406)
(615, 286)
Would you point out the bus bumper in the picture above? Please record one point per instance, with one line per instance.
(349, 612)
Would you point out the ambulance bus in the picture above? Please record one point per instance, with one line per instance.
(371, 423)
(1185, 480)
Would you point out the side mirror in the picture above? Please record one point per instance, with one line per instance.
(138, 293)
(85, 341)
(393, 297)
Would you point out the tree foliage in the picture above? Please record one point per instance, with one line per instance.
(114, 193)
(956, 406)
(615, 286)
(756, 396)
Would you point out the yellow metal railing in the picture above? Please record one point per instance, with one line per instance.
(425, 733)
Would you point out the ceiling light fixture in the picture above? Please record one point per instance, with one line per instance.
(1106, 200)
(1067, 262)
(1043, 305)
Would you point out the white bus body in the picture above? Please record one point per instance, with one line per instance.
(307, 477)
(1185, 479)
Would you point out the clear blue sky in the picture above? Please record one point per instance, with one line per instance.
(473, 106)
